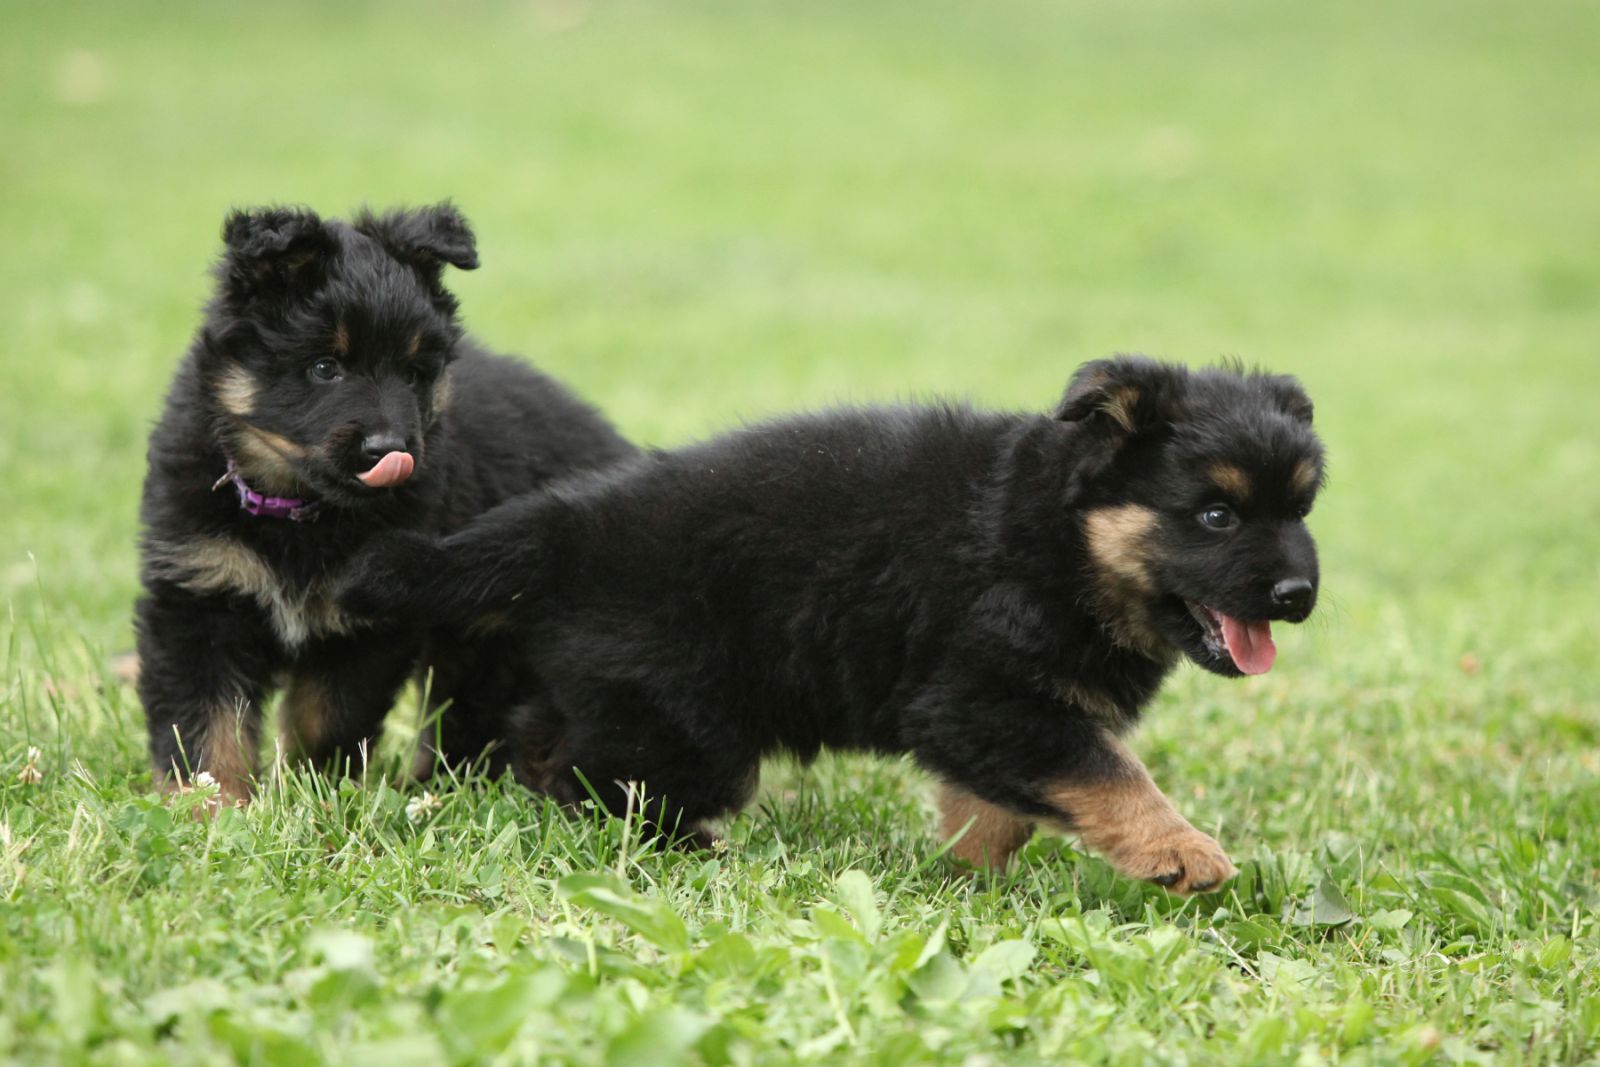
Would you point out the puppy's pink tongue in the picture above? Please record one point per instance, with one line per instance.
(391, 470)
(1249, 643)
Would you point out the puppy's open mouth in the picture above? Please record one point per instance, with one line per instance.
(1248, 644)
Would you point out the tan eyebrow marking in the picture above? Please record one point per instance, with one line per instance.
(341, 339)
(1304, 477)
(416, 344)
(1231, 480)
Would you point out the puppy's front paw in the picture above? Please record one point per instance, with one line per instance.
(383, 578)
(1184, 861)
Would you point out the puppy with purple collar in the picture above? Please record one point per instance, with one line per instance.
(329, 395)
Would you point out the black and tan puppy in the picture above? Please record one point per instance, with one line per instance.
(997, 594)
(329, 395)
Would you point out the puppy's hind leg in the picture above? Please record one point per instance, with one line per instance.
(475, 684)
(638, 763)
(989, 834)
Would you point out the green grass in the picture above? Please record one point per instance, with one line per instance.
(698, 212)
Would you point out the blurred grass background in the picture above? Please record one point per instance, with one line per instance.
(701, 212)
(704, 211)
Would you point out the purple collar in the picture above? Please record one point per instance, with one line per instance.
(272, 507)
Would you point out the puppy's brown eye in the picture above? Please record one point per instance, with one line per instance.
(326, 370)
(1218, 517)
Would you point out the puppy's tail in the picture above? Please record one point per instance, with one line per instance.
(487, 572)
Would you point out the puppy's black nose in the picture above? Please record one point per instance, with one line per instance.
(1294, 596)
(379, 445)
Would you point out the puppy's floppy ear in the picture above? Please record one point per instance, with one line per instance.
(1128, 394)
(274, 251)
(425, 237)
(1290, 396)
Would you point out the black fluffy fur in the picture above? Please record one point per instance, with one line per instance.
(911, 579)
(235, 604)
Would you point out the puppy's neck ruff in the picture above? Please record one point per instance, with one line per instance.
(293, 508)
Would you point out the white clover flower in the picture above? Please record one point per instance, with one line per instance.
(419, 808)
(205, 780)
(35, 754)
(30, 775)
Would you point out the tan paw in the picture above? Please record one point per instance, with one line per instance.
(1184, 861)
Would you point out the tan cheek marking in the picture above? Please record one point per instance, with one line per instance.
(993, 835)
(1304, 477)
(236, 391)
(278, 443)
(441, 392)
(1231, 480)
(307, 706)
(265, 459)
(1117, 541)
(1129, 821)
(262, 453)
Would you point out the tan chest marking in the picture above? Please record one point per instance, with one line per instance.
(222, 565)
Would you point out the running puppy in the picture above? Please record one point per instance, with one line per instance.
(329, 395)
(997, 594)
